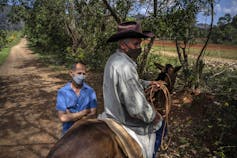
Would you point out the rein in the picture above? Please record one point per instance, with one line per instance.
(169, 83)
(165, 104)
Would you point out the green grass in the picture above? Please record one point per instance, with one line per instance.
(15, 36)
(218, 52)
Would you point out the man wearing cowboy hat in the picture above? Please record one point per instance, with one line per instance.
(123, 91)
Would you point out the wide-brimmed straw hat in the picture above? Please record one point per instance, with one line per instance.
(130, 29)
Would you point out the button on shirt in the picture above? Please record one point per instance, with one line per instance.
(67, 99)
(124, 96)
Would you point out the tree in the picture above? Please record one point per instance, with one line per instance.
(80, 28)
(234, 22)
(225, 31)
(199, 61)
(177, 20)
(45, 26)
(224, 20)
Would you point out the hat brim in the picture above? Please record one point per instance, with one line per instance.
(129, 34)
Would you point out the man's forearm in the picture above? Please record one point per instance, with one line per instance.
(78, 115)
(66, 117)
(91, 114)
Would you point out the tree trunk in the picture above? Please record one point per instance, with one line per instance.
(142, 64)
(199, 64)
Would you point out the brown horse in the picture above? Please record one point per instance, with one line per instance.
(87, 140)
(95, 139)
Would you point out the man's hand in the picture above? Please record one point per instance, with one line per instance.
(157, 118)
(67, 111)
(85, 112)
(68, 116)
(156, 83)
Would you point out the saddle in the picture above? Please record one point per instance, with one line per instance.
(129, 146)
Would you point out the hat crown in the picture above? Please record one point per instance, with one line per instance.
(127, 26)
(131, 29)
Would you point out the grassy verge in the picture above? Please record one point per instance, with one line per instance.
(16, 36)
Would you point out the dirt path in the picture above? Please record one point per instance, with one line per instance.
(28, 121)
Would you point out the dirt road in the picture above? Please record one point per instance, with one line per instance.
(29, 125)
(28, 120)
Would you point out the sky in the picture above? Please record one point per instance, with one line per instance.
(221, 8)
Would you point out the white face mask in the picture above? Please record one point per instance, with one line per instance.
(79, 79)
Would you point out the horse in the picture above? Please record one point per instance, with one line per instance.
(86, 139)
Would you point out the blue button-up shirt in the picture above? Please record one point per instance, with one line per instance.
(67, 99)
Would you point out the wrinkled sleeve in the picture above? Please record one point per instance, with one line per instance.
(61, 102)
(144, 83)
(93, 100)
(135, 101)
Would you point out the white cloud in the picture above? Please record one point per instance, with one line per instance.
(218, 8)
(227, 10)
(230, 8)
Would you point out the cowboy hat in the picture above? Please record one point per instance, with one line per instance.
(130, 29)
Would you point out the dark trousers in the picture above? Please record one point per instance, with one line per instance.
(159, 137)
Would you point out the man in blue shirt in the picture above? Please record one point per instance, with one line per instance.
(76, 100)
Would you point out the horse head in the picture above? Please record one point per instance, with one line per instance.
(168, 74)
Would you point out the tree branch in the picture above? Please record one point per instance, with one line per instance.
(178, 52)
(208, 36)
(144, 57)
(113, 13)
(155, 8)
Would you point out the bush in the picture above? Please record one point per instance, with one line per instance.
(3, 38)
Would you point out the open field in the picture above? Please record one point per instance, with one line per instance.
(213, 50)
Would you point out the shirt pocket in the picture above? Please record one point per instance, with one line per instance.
(72, 104)
(84, 102)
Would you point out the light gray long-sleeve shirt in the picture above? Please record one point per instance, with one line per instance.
(124, 96)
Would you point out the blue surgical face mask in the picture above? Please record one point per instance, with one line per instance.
(79, 79)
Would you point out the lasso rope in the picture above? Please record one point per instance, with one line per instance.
(150, 93)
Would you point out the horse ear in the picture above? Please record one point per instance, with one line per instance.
(177, 68)
(159, 66)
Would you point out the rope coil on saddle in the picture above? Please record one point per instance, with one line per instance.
(153, 96)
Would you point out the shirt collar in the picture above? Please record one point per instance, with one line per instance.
(122, 53)
(68, 86)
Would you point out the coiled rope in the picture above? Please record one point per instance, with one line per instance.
(162, 104)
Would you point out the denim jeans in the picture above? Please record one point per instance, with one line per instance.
(159, 137)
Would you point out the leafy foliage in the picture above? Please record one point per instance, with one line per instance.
(8, 39)
(45, 26)
(226, 30)
(3, 38)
